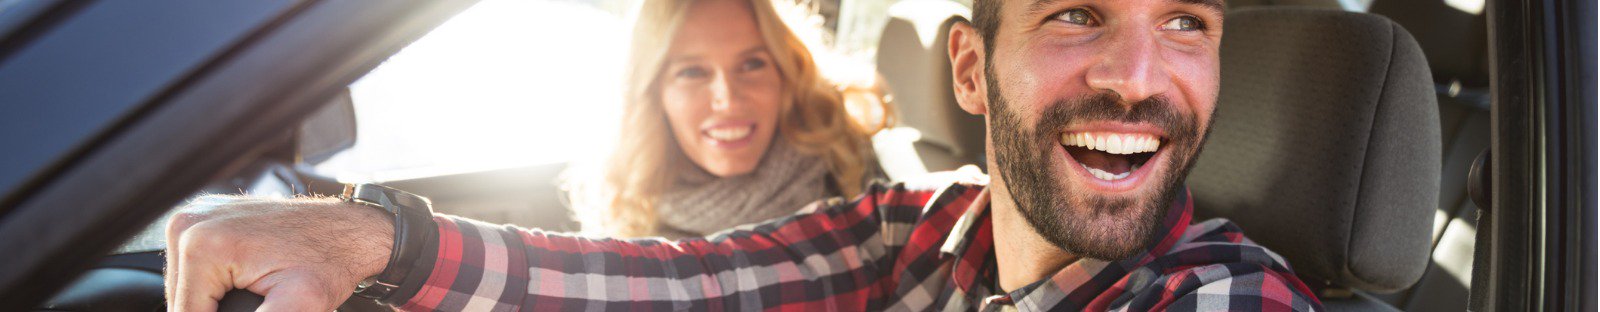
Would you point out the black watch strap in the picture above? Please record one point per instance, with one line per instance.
(414, 228)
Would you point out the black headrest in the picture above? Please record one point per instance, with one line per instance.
(1325, 147)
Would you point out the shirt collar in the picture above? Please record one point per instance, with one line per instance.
(974, 212)
(971, 242)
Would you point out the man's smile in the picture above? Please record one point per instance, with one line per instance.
(1112, 157)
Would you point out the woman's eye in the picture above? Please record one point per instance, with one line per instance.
(1184, 23)
(691, 72)
(1078, 16)
(753, 64)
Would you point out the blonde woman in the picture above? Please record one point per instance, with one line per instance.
(727, 121)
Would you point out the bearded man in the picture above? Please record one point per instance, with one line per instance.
(1095, 112)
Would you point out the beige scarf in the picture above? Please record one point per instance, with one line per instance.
(700, 203)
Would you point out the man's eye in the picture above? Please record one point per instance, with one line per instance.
(1184, 23)
(691, 72)
(1079, 16)
(753, 64)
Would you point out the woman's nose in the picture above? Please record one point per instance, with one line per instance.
(721, 92)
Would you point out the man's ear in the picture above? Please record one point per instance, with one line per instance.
(966, 66)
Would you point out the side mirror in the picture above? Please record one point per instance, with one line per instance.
(328, 131)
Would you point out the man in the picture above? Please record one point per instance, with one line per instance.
(1095, 112)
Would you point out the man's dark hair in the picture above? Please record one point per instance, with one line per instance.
(986, 19)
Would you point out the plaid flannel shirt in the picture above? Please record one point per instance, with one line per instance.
(895, 248)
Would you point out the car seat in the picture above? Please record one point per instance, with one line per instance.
(1325, 148)
(1455, 39)
(915, 63)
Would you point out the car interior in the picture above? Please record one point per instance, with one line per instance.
(1269, 95)
(1345, 134)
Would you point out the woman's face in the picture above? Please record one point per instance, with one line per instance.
(721, 90)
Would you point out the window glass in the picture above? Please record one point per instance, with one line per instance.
(859, 26)
(5, 5)
(506, 83)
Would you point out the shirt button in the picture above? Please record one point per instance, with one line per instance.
(998, 303)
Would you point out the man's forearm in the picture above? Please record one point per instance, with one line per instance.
(482, 266)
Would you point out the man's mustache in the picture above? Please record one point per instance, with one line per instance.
(1108, 106)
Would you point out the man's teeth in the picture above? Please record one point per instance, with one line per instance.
(1103, 175)
(728, 133)
(1115, 143)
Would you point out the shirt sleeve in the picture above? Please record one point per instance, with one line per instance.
(834, 257)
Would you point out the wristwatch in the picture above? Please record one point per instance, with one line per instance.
(413, 228)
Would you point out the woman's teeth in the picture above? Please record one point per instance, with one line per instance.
(1114, 143)
(728, 133)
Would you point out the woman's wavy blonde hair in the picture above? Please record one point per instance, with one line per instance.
(642, 166)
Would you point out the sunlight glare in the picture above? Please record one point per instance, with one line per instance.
(1473, 7)
(506, 83)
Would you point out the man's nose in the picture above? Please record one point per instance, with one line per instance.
(1131, 66)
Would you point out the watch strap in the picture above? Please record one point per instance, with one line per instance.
(421, 270)
(413, 229)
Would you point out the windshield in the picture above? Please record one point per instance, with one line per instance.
(475, 94)
(484, 91)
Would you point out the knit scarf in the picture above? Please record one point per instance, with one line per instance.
(699, 203)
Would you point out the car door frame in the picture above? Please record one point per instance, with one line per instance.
(1536, 243)
(202, 125)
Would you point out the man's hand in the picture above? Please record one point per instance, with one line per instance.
(301, 254)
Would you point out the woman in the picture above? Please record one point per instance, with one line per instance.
(727, 121)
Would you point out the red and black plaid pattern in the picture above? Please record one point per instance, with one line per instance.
(896, 248)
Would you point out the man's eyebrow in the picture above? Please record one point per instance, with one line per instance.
(1214, 5)
(1039, 6)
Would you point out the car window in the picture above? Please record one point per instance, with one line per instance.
(859, 27)
(483, 91)
(16, 13)
(506, 83)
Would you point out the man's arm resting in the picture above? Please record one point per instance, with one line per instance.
(835, 251)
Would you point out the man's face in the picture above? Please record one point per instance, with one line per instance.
(1097, 110)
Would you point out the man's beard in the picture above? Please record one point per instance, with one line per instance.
(1068, 218)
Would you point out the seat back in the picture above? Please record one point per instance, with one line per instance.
(1325, 146)
(914, 60)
